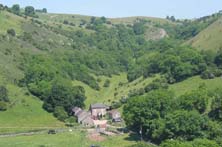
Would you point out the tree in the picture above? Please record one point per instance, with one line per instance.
(1, 6)
(172, 18)
(30, 11)
(139, 28)
(146, 114)
(218, 59)
(187, 125)
(63, 94)
(60, 113)
(103, 19)
(92, 20)
(204, 143)
(175, 143)
(44, 10)
(16, 9)
(195, 143)
(196, 100)
(216, 106)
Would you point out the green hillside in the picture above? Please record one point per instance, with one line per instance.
(50, 63)
(48, 36)
(9, 20)
(25, 113)
(193, 84)
(119, 87)
(209, 38)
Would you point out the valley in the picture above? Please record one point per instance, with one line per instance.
(163, 75)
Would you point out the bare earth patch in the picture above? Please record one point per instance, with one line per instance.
(96, 137)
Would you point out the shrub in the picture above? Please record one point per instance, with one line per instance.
(115, 105)
(143, 144)
(11, 32)
(3, 106)
(65, 22)
(157, 84)
(3, 94)
(107, 83)
(60, 113)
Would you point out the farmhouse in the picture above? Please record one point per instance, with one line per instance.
(98, 110)
(76, 110)
(83, 117)
(92, 117)
(115, 115)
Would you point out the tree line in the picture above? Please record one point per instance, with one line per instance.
(160, 116)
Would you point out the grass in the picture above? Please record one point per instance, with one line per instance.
(76, 139)
(59, 18)
(10, 21)
(152, 33)
(25, 113)
(131, 20)
(210, 38)
(77, 19)
(193, 83)
(114, 92)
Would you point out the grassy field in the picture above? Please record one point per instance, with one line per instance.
(72, 139)
(210, 38)
(25, 113)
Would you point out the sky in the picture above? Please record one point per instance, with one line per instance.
(123, 8)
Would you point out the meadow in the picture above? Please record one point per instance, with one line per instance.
(68, 139)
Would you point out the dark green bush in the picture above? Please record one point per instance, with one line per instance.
(11, 32)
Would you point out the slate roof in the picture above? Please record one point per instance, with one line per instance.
(76, 110)
(98, 106)
(82, 115)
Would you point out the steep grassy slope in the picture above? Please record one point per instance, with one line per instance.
(152, 32)
(59, 18)
(119, 87)
(130, 20)
(78, 19)
(210, 38)
(8, 21)
(12, 52)
(193, 84)
(25, 112)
